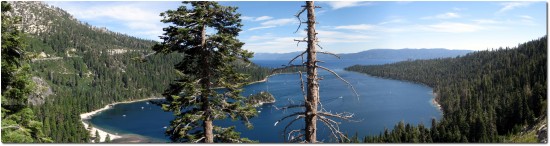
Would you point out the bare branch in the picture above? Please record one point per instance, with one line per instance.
(335, 74)
(298, 114)
(290, 139)
(320, 46)
(292, 60)
(329, 125)
(198, 140)
(329, 53)
(345, 115)
(334, 128)
(286, 67)
(297, 138)
(298, 17)
(289, 106)
(300, 40)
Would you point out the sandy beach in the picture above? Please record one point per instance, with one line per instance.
(102, 133)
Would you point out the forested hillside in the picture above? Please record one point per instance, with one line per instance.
(82, 68)
(486, 95)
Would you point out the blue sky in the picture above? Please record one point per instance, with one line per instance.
(345, 26)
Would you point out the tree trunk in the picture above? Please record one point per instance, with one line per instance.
(205, 82)
(312, 81)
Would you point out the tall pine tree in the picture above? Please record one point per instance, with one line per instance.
(206, 64)
(18, 120)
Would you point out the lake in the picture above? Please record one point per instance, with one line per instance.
(381, 103)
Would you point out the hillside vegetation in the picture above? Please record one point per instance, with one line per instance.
(87, 67)
(485, 95)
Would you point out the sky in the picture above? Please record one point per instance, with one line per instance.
(344, 26)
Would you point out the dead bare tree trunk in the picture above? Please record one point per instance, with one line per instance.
(312, 80)
(205, 81)
(312, 112)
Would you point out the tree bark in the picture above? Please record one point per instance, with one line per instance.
(205, 81)
(312, 81)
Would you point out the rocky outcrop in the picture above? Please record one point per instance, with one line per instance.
(542, 132)
(41, 91)
(260, 98)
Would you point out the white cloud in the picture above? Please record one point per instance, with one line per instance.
(248, 18)
(526, 20)
(262, 18)
(486, 21)
(261, 27)
(344, 4)
(123, 12)
(459, 9)
(526, 17)
(275, 23)
(392, 21)
(279, 22)
(452, 27)
(507, 6)
(448, 15)
(327, 37)
(356, 27)
(270, 43)
(137, 18)
(283, 44)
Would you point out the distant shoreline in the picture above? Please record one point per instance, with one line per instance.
(103, 133)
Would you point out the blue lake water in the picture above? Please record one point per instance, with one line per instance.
(381, 103)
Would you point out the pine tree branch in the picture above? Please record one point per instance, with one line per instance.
(12, 126)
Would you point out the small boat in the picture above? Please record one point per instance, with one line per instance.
(164, 127)
(124, 115)
(147, 102)
(142, 107)
(259, 111)
(340, 97)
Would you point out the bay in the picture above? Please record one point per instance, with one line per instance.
(381, 104)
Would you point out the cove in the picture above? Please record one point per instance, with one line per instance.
(381, 104)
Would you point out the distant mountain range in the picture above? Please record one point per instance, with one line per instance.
(404, 54)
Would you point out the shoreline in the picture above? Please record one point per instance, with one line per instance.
(435, 102)
(266, 78)
(103, 133)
